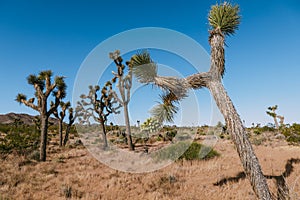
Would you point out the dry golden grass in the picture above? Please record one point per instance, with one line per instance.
(75, 174)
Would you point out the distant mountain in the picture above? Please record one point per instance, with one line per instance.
(25, 118)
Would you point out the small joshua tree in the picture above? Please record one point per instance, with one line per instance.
(72, 118)
(60, 116)
(43, 88)
(98, 107)
(138, 123)
(124, 83)
(272, 112)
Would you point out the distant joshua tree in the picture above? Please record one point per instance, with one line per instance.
(272, 112)
(124, 84)
(223, 19)
(98, 107)
(43, 89)
(60, 116)
(72, 117)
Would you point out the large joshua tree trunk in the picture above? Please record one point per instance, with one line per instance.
(44, 132)
(213, 81)
(128, 131)
(232, 119)
(240, 139)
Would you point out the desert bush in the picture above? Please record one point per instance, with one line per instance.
(67, 191)
(22, 140)
(292, 133)
(201, 130)
(257, 132)
(198, 152)
(34, 155)
(265, 129)
(171, 134)
(258, 141)
(4, 128)
(186, 150)
(167, 179)
(158, 138)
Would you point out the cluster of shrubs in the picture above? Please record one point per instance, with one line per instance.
(22, 139)
(259, 130)
(292, 133)
(185, 150)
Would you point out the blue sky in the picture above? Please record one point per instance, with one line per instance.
(262, 59)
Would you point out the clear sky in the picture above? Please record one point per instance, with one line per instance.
(262, 59)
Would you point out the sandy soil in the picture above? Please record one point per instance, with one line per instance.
(76, 174)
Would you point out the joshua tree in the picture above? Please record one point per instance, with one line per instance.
(272, 112)
(72, 118)
(43, 88)
(223, 20)
(124, 85)
(60, 116)
(98, 108)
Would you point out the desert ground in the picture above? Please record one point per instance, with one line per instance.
(73, 173)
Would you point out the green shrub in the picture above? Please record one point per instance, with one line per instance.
(158, 138)
(4, 128)
(35, 155)
(171, 134)
(202, 130)
(266, 129)
(292, 133)
(257, 132)
(186, 150)
(258, 141)
(198, 152)
(21, 139)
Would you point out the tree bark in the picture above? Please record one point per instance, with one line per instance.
(67, 135)
(44, 133)
(276, 122)
(60, 130)
(128, 131)
(105, 144)
(240, 139)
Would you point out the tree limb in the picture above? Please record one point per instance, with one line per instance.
(49, 89)
(199, 80)
(31, 105)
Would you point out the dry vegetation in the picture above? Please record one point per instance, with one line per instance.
(73, 173)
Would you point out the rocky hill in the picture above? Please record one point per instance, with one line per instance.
(10, 118)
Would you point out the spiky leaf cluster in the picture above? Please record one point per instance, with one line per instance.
(224, 17)
(43, 88)
(272, 111)
(122, 80)
(20, 98)
(143, 68)
(164, 112)
(36, 81)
